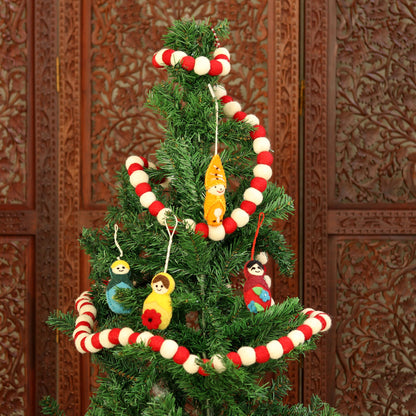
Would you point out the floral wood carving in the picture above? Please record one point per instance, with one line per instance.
(376, 342)
(376, 102)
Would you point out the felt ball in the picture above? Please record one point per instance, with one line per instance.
(240, 217)
(218, 364)
(202, 65)
(155, 208)
(216, 233)
(95, 341)
(297, 337)
(147, 199)
(314, 324)
(221, 51)
(87, 320)
(104, 341)
(169, 349)
(287, 344)
(89, 346)
(154, 62)
(215, 68)
(189, 224)
(176, 57)
(158, 58)
(133, 167)
(262, 354)
(262, 257)
(182, 354)
(201, 371)
(190, 365)
(166, 55)
(259, 183)
(308, 311)
(251, 119)
(124, 336)
(226, 99)
(231, 108)
(163, 215)
(202, 228)
(226, 67)
(248, 206)
(253, 195)
(133, 338)
(259, 131)
(263, 171)
(275, 349)
(265, 158)
(219, 91)
(113, 336)
(78, 346)
(188, 63)
(222, 56)
(144, 337)
(155, 342)
(323, 321)
(142, 188)
(261, 144)
(151, 165)
(229, 225)
(306, 331)
(235, 358)
(239, 115)
(247, 355)
(138, 176)
(88, 308)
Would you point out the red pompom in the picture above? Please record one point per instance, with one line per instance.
(167, 55)
(248, 207)
(287, 344)
(95, 341)
(235, 358)
(82, 323)
(259, 183)
(133, 338)
(259, 132)
(265, 158)
(142, 188)
(188, 63)
(155, 64)
(223, 56)
(262, 354)
(239, 115)
(201, 370)
(202, 228)
(155, 342)
(155, 208)
(90, 314)
(306, 331)
(113, 336)
(226, 99)
(82, 344)
(229, 225)
(216, 68)
(181, 355)
(145, 161)
(322, 320)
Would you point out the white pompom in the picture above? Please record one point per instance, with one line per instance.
(297, 337)
(219, 91)
(124, 335)
(144, 337)
(89, 346)
(78, 344)
(221, 51)
(139, 176)
(152, 165)
(168, 348)
(103, 338)
(165, 184)
(189, 224)
(202, 65)
(163, 215)
(267, 279)
(275, 349)
(262, 257)
(328, 322)
(314, 324)
(218, 364)
(226, 67)
(247, 355)
(158, 57)
(261, 144)
(263, 171)
(85, 318)
(133, 159)
(231, 108)
(190, 365)
(253, 195)
(240, 217)
(306, 310)
(176, 57)
(216, 233)
(88, 308)
(147, 199)
(251, 119)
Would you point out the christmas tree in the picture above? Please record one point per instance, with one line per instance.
(170, 332)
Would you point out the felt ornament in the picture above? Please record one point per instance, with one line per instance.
(120, 279)
(256, 291)
(157, 307)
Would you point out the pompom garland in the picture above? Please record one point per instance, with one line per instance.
(86, 341)
(252, 196)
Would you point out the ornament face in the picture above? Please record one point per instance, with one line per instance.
(120, 267)
(256, 269)
(120, 279)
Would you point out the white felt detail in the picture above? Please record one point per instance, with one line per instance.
(275, 349)
(216, 233)
(78, 344)
(251, 119)
(202, 65)
(138, 177)
(262, 257)
(158, 57)
(263, 171)
(163, 215)
(328, 322)
(261, 144)
(226, 67)
(297, 337)
(147, 199)
(218, 364)
(247, 355)
(189, 224)
(240, 217)
(221, 51)
(85, 318)
(231, 108)
(253, 195)
(176, 57)
(169, 348)
(219, 91)
(190, 365)
(144, 337)
(133, 159)
(89, 346)
(103, 338)
(125, 335)
(314, 324)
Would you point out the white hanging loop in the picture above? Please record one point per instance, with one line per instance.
(116, 242)
(171, 234)
(216, 117)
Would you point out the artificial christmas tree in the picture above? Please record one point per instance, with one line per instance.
(185, 226)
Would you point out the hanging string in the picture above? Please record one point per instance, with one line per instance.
(116, 242)
(216, 117)
(171, 233)
(259, 223)
(217, 41)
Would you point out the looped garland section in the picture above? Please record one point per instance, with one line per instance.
(86, 341)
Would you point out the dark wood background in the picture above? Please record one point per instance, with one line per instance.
(333, 82)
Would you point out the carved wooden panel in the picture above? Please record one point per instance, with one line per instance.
(376, 330)
(375, 102)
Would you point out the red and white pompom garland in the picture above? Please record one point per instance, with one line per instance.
(86, 341)
(252, 197)
(219, 66)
